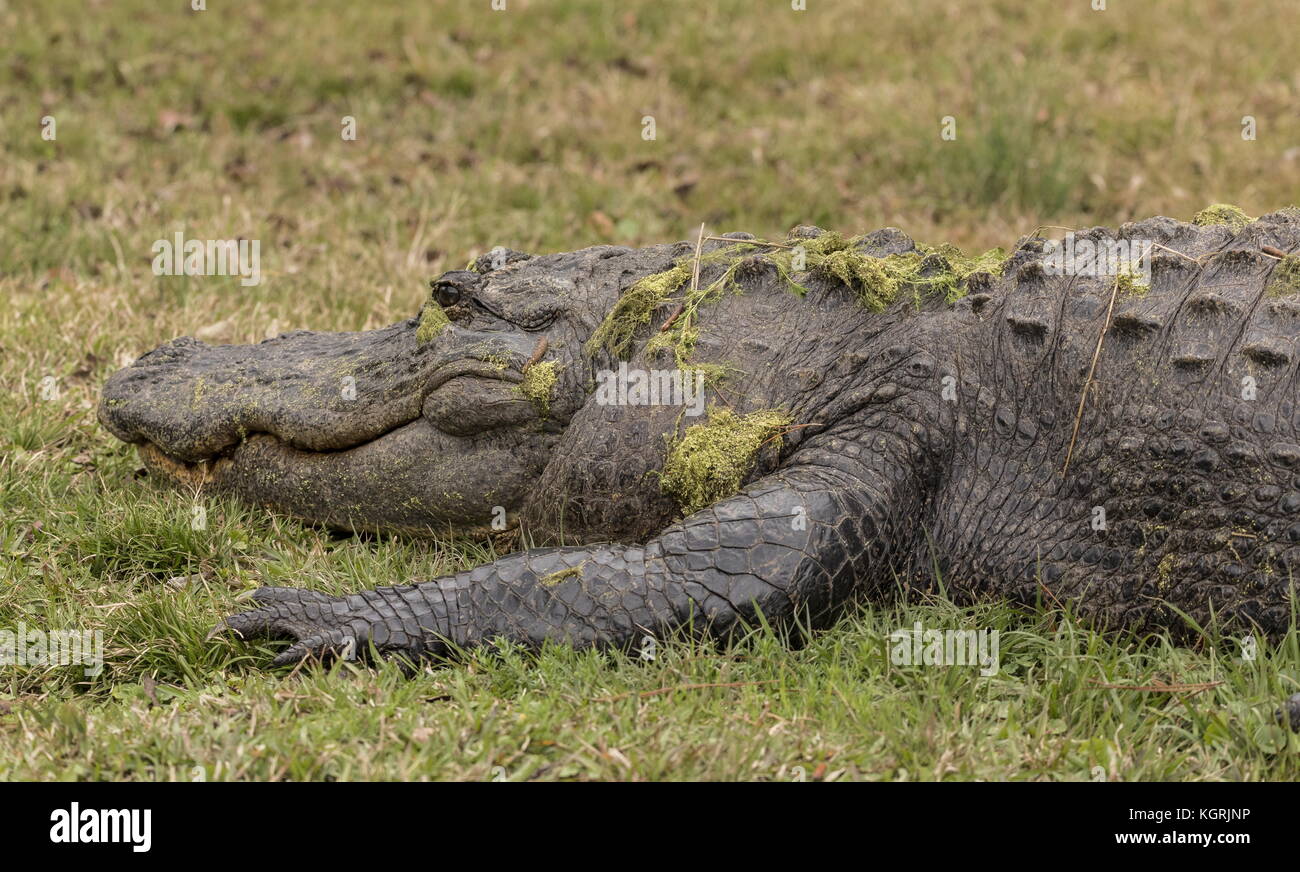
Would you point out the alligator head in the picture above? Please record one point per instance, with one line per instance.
(440, 422)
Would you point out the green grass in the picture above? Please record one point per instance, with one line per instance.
(523, 129)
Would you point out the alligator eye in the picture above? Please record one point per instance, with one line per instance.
(451, 287)
(446, 294)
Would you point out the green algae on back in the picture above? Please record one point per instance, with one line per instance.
(1224, 214)
(554, 578)
(635, 308)
(1286, 278)
(709, 462)
(1132, 281)
(1164, 572)
(878, 281)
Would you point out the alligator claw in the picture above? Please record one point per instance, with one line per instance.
(320, 626)
(406, 623)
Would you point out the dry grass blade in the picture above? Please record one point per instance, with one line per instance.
(1158, 687)
(1092, 369)
(671, 687)
(695, 282)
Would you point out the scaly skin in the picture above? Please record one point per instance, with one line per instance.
(929, 448)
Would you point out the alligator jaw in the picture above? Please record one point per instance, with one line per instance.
(414, 480)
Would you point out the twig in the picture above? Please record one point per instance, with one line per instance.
(784, 430)
(672, 687)
(1047, 590)
(681, 307)
(1195, 260)
(1096, 355)
(1042, 227)
(538, 353)
(1153, 244)
(695, 273)
(1273, 252)
(748, 242)
(695, 284)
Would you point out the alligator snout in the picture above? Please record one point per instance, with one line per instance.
(317, 392)
(312, 391)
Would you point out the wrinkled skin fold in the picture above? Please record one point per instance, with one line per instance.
(927, 448)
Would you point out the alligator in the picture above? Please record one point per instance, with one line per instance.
(879, 419)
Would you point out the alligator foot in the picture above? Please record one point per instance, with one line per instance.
(347, 627)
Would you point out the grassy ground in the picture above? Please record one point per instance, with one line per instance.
(524, 128)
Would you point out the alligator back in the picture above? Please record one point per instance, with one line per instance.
(1175, 484)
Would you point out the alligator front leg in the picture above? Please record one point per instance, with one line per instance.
(800, 543)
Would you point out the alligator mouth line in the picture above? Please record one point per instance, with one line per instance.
(206, 470)
(473, 366)
(198, 475)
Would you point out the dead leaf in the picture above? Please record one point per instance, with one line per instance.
(180, 582)
(59, 274)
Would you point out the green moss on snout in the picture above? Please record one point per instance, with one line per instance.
(538, 384)
(710, 460)
(432, 322)
(1224, 214)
